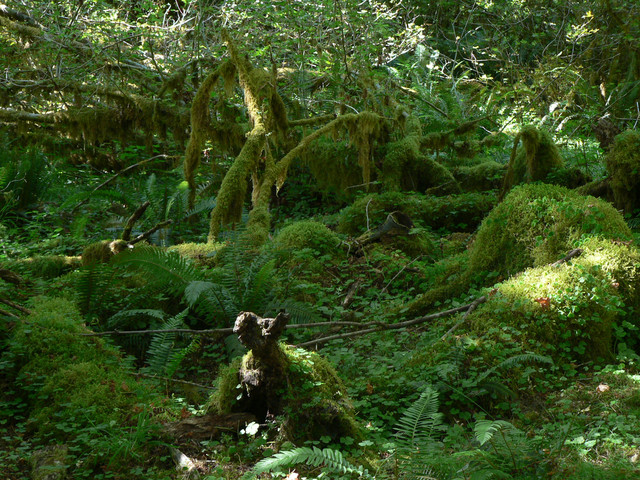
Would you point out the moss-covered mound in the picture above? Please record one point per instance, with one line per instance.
(481, 177)
(45, 266)
(623, 164)
(313, 402)
(60, 372)
(308, 234)
(538, 224)
(203, 254)
(569, 310)
(462, 212)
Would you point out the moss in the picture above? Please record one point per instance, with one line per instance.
(623, 164)
(50, 338)
(571, 307)
(104, 394)
(482, 177)
(568, 177)
(532, 162)
(334, 165)
(308, 234)
(203, 254)
(462, 212)
(405, 167)
(314, 402)
(47, 266)
(538, 224)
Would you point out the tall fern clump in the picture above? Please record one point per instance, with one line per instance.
(23, 177)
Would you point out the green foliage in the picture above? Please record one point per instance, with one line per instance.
(23, 177)
(308, 234)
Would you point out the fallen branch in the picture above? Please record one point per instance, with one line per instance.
(383, 327)
(216, 331)
(471, 308)
(126, 232)
(150, 232)
(8, 314)
(16, 306)
(172, 380)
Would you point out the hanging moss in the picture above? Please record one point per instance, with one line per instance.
(533, 162)
(571, 307)
(333, 165)
(200, 126)
(366, 129)
(623, 164)
(537, 224)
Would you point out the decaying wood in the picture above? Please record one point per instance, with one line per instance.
(260, 335)
(397, 223)
(184, 464)
(207, 427)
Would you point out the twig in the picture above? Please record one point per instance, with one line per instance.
(576, 252)
(397, 274)
(172, 380)
(471, 308)
(16, 306)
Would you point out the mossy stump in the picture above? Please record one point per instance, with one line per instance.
(275, 380)
(623, 164)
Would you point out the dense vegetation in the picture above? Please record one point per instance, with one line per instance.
(431, 211)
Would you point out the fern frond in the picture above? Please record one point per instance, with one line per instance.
(117, 319)
(202, 206)
(162, 345)
(331, 459)
(484, 430)
(416, 426)
(164, 268)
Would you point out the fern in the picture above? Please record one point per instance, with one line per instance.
(162, 359)
(416, 427)
(332, 460)
(486, 429)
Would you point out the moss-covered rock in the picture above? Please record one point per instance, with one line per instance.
(538, 224)
(203, 254)
(569, 310)
(313, 402)
(462, 212)
(623, 164)
(308, 234)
